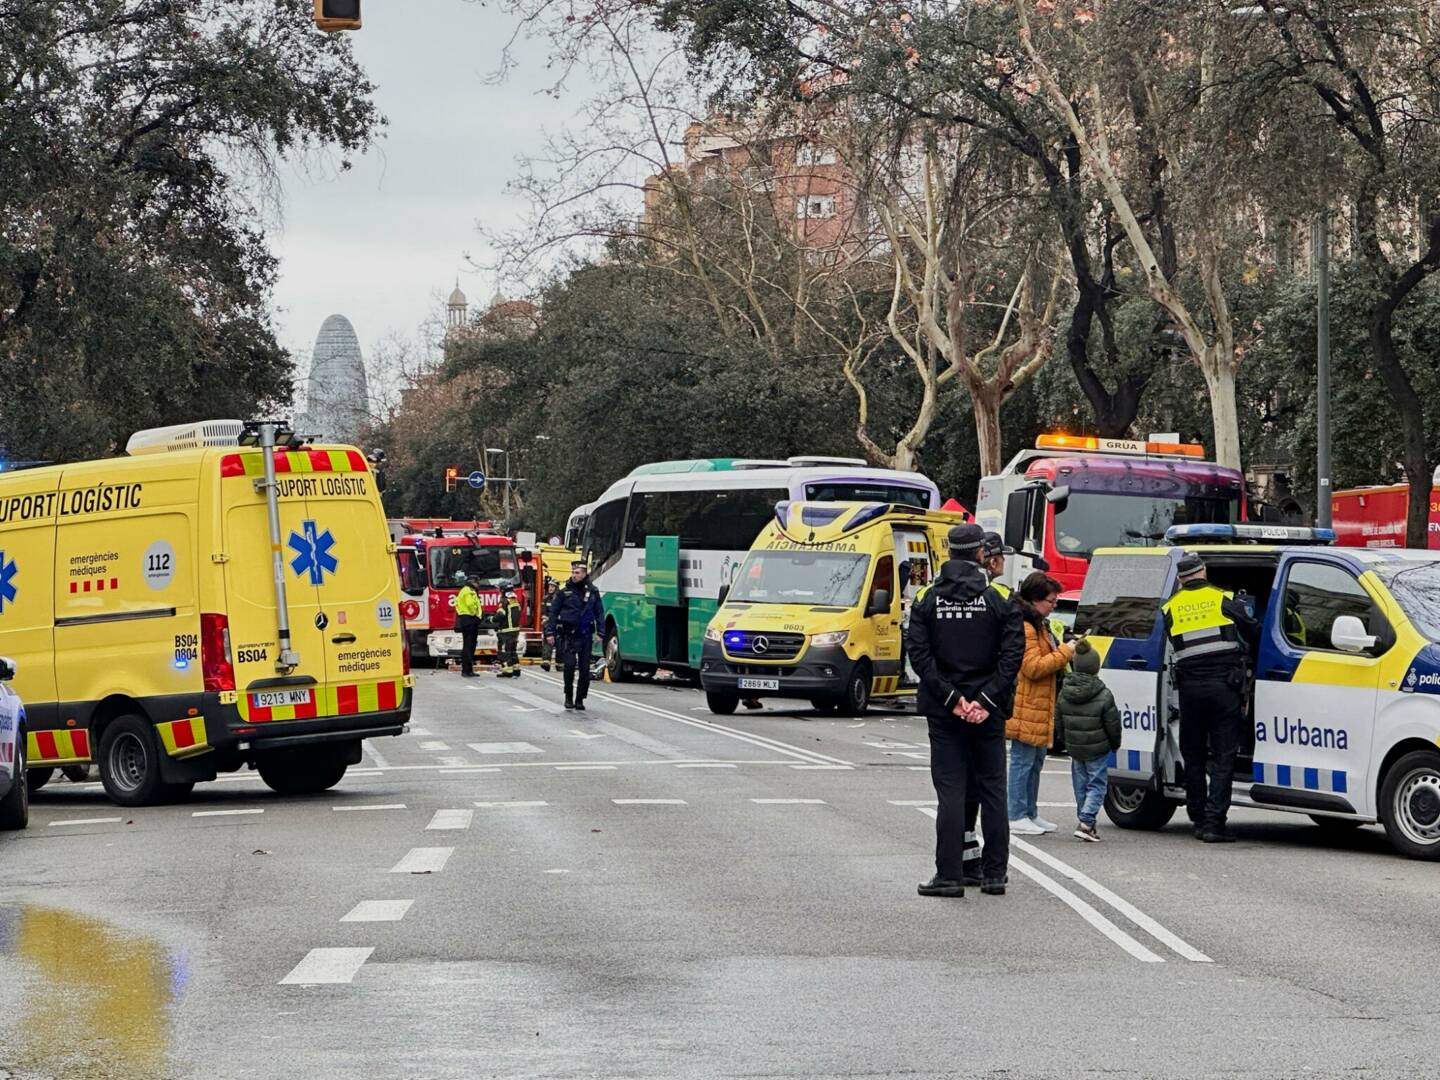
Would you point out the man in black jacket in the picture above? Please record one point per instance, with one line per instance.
(966, 643)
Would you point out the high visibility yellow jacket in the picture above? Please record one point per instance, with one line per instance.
(468, 602)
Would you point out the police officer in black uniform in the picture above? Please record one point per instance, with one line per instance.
(1209, 630)
(966, 643)
(576, 615)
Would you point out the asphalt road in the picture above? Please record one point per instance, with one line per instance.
(513, 890)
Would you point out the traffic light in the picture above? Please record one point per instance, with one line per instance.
(333, 15)
(452, 477)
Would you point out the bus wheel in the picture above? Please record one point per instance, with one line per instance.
(15, 807)
(614, 662)
(1410, 805)
(300, 772)
(35, 779)
(722, 704)
(856, 698)
(130, 763)
(1133, 807)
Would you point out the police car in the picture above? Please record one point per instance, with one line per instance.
(1343, 694)
(14, 792)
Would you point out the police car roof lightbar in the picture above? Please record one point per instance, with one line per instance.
(1119, 446)
(193, 436)
(1248, 534)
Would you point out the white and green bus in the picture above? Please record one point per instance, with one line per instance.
(666, 539)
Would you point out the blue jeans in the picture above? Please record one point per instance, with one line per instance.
(1025, 762)
(1090, 779)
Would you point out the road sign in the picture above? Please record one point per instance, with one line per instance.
(476, 479)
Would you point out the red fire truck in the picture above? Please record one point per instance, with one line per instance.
(1375, 516)
(1073, 494)
(435, 557)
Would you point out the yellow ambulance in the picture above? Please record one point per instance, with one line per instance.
(222, 596)
(818, 608)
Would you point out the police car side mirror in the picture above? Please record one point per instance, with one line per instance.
(7, 669)
(1348, 635)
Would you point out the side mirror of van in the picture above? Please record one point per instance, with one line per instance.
(724, 592)
(879, 603)
(1348, 635)
(7, 669)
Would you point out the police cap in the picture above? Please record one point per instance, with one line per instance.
(1190, 565)
(964, 539)
(994, 544)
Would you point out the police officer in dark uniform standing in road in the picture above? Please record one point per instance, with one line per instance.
(1208, 630)
(576, 614)
(966, 644)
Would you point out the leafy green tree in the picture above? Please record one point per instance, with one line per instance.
(134, 274)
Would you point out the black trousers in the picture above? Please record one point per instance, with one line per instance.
(469, 627)
(968, 760)
(575, 654)
(509, 653)
(1212, 710)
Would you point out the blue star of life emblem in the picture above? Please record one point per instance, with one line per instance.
(7, 581)
(312, 553)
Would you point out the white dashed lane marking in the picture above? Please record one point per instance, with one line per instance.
(327, 966)
(375, 806)
(226, 813)
(451, 819)
(584, 768)
(423, 860)
(506, 805)
(504, 748)
(434, 746)
(86, 821)
(649, 802)
(378, 911)
(789, 802)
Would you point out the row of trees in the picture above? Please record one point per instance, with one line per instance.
(1127, 183)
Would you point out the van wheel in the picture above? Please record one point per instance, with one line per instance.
(130, 763)
(1410, 805)
(15, 807)
(856, 698)
(614, 663)
(299, 772)
(35, 779)
(722, 704)
(1137, 808)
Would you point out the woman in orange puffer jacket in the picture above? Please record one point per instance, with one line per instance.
(1031, 727)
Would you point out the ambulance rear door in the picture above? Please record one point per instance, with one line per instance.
(359, 598)
(1120, 611)
(265, 695)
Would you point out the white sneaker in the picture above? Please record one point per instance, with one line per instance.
(1023, 826)
(1045, 826)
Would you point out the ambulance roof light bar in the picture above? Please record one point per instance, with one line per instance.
(1119, 446)
(1248, 534)
(192, 436)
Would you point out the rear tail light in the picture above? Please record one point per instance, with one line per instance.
(215, 662)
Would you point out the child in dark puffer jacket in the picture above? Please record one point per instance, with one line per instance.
(1086, 715)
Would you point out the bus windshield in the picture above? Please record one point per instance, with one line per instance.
(825, 578)
(1093, 520)
(1415, 584)
(451, 564)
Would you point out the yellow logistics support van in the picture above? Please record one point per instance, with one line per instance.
(222, 596)
(818, 609)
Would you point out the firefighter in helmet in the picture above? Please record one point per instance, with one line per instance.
(511, 619)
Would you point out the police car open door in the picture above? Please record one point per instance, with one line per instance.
(1120, 611)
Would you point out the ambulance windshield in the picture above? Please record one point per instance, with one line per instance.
(451, 564)
(1415, 584)
(825, 578)
(1091, 520)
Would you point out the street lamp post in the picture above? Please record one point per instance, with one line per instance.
(506, 453)
(1321, 240)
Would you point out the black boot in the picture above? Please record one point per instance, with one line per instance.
(938, 886)
(995, 886)
(569, 702)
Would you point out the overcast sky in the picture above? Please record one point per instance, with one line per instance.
(383, 243)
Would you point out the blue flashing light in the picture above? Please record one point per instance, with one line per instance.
(1247, 533)
(782, 513)
(181, 663)
(819, 515)
(866, 513)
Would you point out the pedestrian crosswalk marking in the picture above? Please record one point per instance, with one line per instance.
(378, 911)
(423, 860)
(505, 748)
(322, 966)
(450, 819)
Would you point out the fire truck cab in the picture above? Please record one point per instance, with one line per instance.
(1073, 494)
(435, 557)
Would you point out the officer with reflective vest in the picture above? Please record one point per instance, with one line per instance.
(467, 621)
(1209, 630)
(511, 619)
